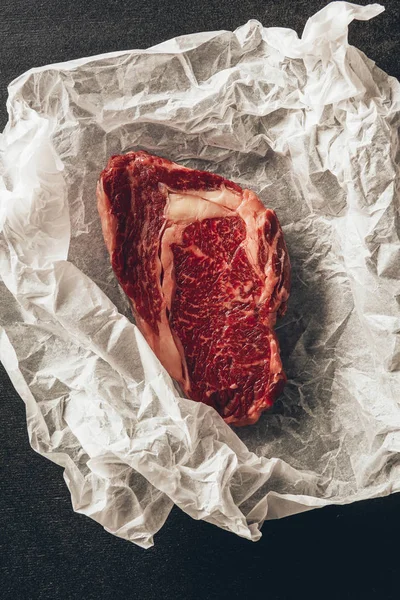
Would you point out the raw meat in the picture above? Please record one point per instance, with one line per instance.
(206, 269)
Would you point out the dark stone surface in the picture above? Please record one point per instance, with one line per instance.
(46, 551)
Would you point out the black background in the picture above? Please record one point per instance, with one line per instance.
(47, 551)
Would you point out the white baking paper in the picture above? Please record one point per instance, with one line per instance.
(310, 124)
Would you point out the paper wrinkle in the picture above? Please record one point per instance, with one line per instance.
(309, 124)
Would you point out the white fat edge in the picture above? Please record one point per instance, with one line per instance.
(275, 363)
(173, 352)
(222, 196)
(107, 219)
(253, 214)
(185, 379)
(172, 235)
(271, 279)
(163, 345)
(186, 207)
(200, 204)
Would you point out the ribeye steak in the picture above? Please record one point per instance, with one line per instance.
(207, 272)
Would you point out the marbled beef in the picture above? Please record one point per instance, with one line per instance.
(207, 272)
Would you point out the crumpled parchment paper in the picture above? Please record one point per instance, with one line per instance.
(311, 125)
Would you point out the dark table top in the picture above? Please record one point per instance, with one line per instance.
(46, 550)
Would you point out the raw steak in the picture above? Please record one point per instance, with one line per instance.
(206, 269)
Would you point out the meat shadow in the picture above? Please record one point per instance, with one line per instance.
(299, 428)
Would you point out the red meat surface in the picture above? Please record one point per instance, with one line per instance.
(207, 272)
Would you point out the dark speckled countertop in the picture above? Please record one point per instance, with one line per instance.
(47, 552)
